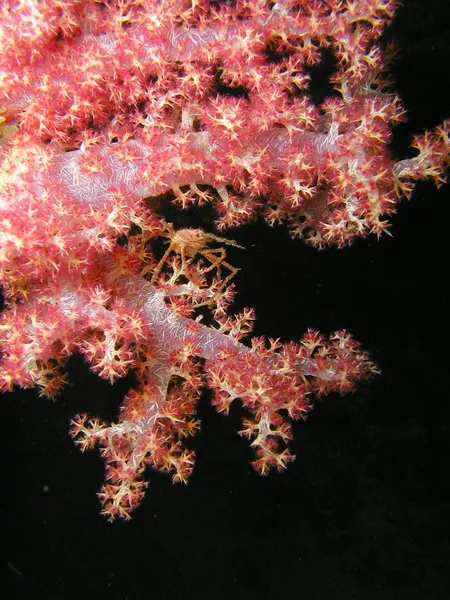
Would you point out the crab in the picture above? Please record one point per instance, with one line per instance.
(191, 243)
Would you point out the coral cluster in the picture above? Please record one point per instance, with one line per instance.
(106, 105)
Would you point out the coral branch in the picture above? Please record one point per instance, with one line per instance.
(105, 106)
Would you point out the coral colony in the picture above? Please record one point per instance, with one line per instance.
(107, 105)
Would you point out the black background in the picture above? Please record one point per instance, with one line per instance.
(363, 513)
